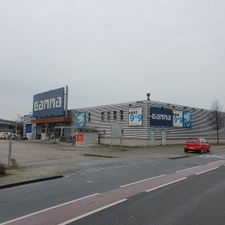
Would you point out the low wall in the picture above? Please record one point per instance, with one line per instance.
(144, 143)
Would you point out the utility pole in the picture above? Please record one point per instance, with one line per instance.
(10, 150)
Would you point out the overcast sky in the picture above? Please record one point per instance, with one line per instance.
(111, 51)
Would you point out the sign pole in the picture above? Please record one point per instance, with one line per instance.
(10, 150)
(75, 139)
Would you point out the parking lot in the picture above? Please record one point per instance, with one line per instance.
(38, 159)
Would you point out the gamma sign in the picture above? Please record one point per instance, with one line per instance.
(161, 117)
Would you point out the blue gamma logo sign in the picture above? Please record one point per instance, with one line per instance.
(161, 117)
(49, 104)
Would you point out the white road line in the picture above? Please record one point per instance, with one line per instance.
(92, 212)
(214, 168)
(163, 185)
(179, 171)
(215, 162)
(151, 178)
(44, 210)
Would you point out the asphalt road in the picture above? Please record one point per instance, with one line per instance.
(198, 200)
(189, 201)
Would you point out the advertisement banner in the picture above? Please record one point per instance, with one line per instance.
(80, 119)
(135, 117)
(187, 119)
(177, 118)
(49, 104)
(161, 117)
(28, 128)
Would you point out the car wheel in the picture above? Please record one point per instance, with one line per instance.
(208, 150)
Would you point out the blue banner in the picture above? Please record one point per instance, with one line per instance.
(80, 119)
(188, 119)
(161, 117)
(29, 128)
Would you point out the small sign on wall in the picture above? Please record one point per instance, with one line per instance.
(79, 137)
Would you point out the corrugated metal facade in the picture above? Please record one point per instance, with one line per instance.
(97, 118)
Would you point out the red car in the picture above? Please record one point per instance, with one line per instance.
(197, 144)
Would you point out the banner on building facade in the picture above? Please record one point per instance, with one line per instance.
(187, 119)
(81, 120)
(161, 117)
(135, 116)
(177, 118)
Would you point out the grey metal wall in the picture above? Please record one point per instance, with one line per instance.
(104, 127)
(200, 124)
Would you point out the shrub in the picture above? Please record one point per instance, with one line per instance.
(2, 169)
(14, 163)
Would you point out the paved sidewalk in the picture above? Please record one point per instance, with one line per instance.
(38, 160)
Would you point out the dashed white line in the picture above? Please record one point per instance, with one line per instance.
(92, 212)
(44, 210)
(151, 178)
(163, 185)
(214, 168)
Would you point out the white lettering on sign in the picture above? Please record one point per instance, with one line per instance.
(46, 104)
(156, 116)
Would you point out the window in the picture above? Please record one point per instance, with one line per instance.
(108, 115)
(102, 116)
(89, 117)
(121, 114)
(114, 115)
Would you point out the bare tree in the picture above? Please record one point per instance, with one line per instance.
(217, 118)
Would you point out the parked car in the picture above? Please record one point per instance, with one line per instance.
(3, 135)
(197, 144)
(14, 136)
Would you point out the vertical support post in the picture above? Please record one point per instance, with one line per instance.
(61, 133)
(66, 105)
(10, 150)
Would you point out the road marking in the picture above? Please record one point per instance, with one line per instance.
(92, 212)
(44, 210)
(163, 185)
(212, 156)
(214, 168)
(179, 171)
(215, 162)
(151, 178)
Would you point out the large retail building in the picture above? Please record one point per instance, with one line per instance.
(136, 123)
